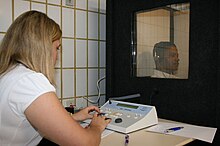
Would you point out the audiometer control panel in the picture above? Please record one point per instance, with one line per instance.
(127, 117)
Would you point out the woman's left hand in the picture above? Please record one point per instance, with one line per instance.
(85, 113)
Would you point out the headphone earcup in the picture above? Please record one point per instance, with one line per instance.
(156, 57)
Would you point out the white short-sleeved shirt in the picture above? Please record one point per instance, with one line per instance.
(18, 89)
(160, 74)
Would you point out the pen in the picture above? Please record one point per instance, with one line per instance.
(173, 129)
(101, 114)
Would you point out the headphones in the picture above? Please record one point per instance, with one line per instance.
(156, 57)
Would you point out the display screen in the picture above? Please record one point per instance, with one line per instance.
(127, 105)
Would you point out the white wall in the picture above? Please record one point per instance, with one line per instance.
(82, 56)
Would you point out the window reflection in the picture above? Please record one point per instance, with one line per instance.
(161, 42)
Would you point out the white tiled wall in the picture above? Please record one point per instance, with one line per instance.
(82, 56)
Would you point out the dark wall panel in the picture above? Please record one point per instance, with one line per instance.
(195, 100)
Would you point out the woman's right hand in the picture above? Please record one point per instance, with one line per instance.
(99, 122)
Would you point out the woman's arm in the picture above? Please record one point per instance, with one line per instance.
(50, 118)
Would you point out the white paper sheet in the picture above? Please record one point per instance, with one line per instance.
(105, 133)
(190, 131)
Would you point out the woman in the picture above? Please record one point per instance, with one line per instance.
(29, 107)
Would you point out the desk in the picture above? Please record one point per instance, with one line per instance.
(144, 138)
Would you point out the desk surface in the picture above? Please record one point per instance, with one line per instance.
(143, 138)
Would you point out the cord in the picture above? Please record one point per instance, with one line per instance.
(99, 92)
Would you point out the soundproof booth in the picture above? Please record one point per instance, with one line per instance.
(168, 53)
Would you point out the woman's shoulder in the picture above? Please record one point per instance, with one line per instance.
(20, 72)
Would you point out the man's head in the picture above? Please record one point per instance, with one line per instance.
(166, 57)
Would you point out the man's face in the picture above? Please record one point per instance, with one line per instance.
(171, 60)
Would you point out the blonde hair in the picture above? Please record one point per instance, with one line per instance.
(29, 41)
